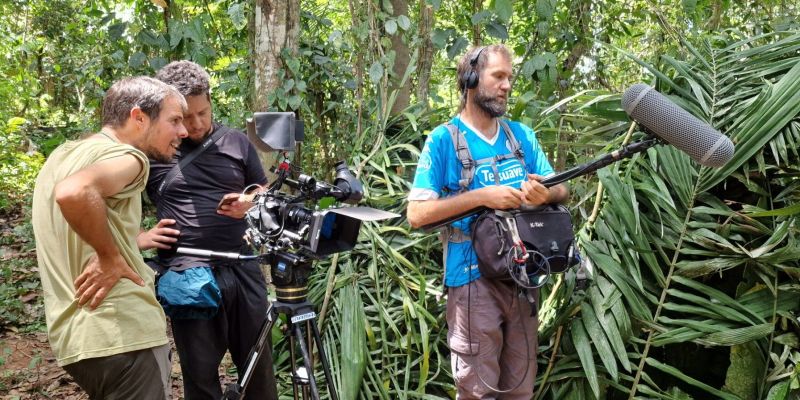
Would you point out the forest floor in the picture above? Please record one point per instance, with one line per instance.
(28, 368)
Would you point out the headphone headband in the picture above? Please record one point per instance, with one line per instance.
(473, 61)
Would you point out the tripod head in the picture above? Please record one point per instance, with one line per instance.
(289, 271)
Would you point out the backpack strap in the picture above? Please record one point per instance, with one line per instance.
(464, 157)
(516, 149)
(450, 233)
(468, 165)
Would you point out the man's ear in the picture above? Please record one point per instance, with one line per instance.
(138, 117)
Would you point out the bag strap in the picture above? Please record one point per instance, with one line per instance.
(464, 157)
(468, 164)
(188, 158)
(516, 148)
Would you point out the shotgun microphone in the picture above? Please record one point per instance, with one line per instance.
(660, 116)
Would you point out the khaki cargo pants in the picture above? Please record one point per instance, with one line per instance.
(493, 341)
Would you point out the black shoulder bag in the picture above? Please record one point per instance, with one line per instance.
(524, 245)
(172, 286)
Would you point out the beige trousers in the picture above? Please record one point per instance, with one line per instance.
(493, 341)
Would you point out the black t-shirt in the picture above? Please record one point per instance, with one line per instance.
(191, 198)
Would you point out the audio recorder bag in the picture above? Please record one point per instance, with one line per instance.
(545, 233)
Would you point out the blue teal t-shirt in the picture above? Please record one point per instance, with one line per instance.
(439, 170)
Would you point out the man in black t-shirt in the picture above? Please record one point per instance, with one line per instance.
(188, 217)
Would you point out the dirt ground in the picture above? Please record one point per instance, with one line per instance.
(28, 370)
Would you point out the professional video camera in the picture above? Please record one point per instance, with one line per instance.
(279, 221)
(290, 229)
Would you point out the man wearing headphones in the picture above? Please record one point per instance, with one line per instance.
(478, 159)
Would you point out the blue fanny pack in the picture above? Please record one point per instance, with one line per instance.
(189, 294)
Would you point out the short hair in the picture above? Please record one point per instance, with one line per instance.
(464, 67)
(143, 92)
(189, 78)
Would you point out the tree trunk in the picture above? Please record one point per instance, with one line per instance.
(276, 26)
(401, 59)
(358, 69)
(477, 5)
(426, 21)
(581, 11)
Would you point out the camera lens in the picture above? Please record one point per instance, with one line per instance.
(299, 215)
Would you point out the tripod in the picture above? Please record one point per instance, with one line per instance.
(290, 276)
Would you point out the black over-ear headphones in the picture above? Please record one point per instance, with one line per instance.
(471, 80)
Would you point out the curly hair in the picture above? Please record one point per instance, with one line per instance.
(189, 78)
(143, 92)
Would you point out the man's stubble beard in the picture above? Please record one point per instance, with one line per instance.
(150, 151)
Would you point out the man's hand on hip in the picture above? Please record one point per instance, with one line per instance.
(99, 277)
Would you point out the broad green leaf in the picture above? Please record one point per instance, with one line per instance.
(457, 47)
(353, 342)
(116, 31)
(785, 211)
(740, 336)
(376, 72)
(598, 337)
(504, 9)
(581, 341)
(157, 62)
(480, 16)
(497, 30)
(403, 22)
(745, 371)
(779, 391)
(137, 59)
(236, 12)
(391, 27)
(545, 9)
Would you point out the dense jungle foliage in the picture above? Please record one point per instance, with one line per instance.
(693, 287)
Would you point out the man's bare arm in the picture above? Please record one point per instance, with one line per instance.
(159, 236)
(425, 212)
(81, 198)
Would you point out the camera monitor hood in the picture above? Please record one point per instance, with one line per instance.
(274, 131)
(336, 229)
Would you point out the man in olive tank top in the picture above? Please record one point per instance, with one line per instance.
(104, 323)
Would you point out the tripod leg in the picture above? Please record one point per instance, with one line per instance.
(307, 360)
(324, 359)
(293, 359)
(234, 391)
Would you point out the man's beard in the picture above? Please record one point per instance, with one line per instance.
(151, 152)
(155, 155)
(491, 105)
